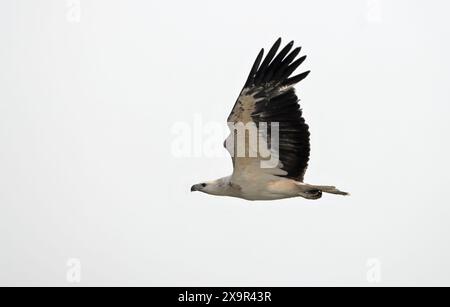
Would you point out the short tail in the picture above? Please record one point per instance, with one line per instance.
(310, 191)
(330, 189)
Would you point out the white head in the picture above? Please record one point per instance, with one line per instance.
(216, 187)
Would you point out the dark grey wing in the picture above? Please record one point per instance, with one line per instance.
(269, 96)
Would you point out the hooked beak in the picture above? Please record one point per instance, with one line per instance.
(194, 188)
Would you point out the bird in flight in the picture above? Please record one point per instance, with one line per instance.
(269, 139)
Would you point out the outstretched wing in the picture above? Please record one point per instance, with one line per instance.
(268, 99)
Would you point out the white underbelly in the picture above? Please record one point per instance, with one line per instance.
(269, 190)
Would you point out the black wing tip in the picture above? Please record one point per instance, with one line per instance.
(264, 68)
(254, 70)
(274, 47)
(277, 66)
(295, 79)
(291, 44)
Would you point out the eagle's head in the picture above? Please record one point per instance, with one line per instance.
(199, 187)
(216, 187)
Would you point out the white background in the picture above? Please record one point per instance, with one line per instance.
(87, 169)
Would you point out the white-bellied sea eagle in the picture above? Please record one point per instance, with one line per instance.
(269, 139)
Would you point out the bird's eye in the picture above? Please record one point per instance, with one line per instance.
(203, 185)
